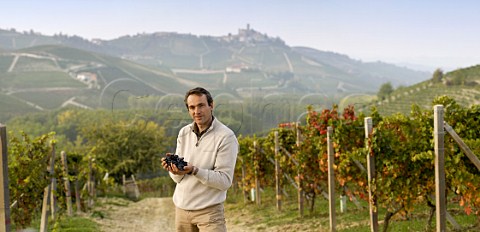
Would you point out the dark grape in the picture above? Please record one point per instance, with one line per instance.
(178, 161)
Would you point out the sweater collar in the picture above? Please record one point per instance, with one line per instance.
(195, 128)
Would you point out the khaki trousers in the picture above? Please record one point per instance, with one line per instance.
(210, 219)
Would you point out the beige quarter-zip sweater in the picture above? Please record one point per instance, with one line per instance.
(214, 154)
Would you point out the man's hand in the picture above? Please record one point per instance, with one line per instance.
(186, 170)
(174, 169)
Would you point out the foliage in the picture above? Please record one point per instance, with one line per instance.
(437, 76)
(126, 147)
(385, 91)
(75, 224)
(254, 161)
(27, 173)
(161, 186)
(461, 175)
(466, 76)
(403, 151)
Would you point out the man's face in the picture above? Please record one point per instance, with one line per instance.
(199, 110)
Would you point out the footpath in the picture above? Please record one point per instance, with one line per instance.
(147, 215)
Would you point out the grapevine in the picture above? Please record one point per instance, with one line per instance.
(403, 150)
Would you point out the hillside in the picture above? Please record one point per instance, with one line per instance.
(50, 77)
(463, 85)
(310, 70)
(39, 72)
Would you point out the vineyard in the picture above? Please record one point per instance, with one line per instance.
(45, 183)
(387, 163)
(400, 148)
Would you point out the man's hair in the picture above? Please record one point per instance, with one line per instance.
(199, 91)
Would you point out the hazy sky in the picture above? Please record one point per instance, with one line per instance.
(437, 33)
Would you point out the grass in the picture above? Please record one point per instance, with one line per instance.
(267, 218)
(40, 79)
(423, 94)
(76, 224)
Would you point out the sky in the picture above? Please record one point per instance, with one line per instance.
(428, 33)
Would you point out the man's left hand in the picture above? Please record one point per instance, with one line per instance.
(186, 170)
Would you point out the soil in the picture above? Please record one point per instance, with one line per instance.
(147, 215)
(157, 214)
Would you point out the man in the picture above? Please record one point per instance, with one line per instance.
(210, 148)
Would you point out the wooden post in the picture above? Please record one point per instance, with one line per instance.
(77, 196)
(450, 218)
(53, 184)
(371, 177)
(124, 184)
(135, 188)
(331, 179)
(66, 182)
(93, 182)
(439, 134)
(245, 193)
(89, 184)
(53, 198)
(48, 193)
(277, 173)
(257, 181)
(45, 206)
(343, 203)
(4, 193)
(299, 184)
(463, 146)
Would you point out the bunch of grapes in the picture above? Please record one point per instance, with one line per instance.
(178, 161)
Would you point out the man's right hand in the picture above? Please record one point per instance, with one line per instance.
(174, 169)
(164, 163)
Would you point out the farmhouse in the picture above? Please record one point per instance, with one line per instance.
(88, 78)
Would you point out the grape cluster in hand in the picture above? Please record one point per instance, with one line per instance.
(178, 161)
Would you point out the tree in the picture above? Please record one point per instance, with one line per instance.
(385, 90)
(437, 76)
(127, 147)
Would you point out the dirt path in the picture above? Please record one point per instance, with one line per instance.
(147, 215)
(150, 214)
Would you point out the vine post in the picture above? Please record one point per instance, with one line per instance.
(90, 183)
(245, 193)
(4, 193)
(66, 183)
(439, 134)
(77, 194)
(49, 201)
(372, 200)
(257, 181)
(124, 183)
(300, 189)
(331, 179)
(277, 173)
(463, 146)
(45, 203)
(53, 183)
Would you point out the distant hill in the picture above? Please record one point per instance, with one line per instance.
(40, 72)
(50, 77)
(247, 49)
(463, 85)
(366, 71)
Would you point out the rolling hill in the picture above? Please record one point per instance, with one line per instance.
(50, 77)
(39, 72)
(248, 50)
(463, 85)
